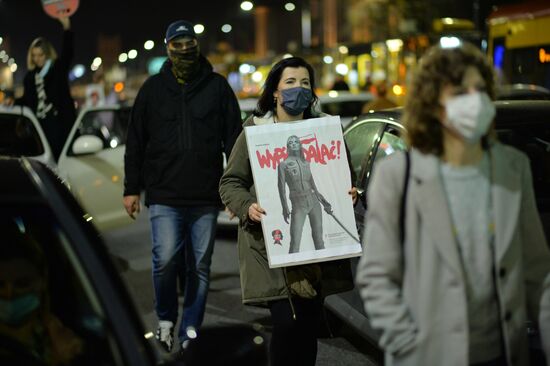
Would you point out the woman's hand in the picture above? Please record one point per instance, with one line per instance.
(255, 212)
(353, 193)
(231, 214)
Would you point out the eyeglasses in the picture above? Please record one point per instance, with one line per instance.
(182, 44)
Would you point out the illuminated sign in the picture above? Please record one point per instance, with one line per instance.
(544, 56)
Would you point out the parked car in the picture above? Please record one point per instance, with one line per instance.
(22, 135)
(92, 162)
(247, 106)
(345, 104)
(522, 92)
(84, 293)
(522, 124)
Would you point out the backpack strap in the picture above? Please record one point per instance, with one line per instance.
(404, 199)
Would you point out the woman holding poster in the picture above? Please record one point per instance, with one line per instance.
(294, 295)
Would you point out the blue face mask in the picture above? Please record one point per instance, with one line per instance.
(15, 311)
(296, 100)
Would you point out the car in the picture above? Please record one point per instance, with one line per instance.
(522, 124)
(247, 106)
(92, 163)
(22, 135)
(345, 104)
(522, 92)
(84, 298)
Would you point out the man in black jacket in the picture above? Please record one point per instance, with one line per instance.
(182, 120)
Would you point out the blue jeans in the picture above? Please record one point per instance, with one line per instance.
(183, 242)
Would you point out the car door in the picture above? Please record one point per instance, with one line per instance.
(389, 142)
(533, 138)
(22, 135)
(92, 162)
(86, 316)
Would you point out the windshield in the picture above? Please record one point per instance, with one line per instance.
(18, 136)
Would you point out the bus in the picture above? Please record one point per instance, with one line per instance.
(519, 43)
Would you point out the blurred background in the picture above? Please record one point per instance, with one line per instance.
(353, 44)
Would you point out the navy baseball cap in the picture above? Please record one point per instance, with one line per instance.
(179, 28)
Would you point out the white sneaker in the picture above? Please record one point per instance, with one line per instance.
(165, 334)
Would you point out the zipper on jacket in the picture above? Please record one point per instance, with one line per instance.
(289, 295)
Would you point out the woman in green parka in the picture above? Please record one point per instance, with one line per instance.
(294, 295)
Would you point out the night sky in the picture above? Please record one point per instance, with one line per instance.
(24, 20)
(138, 20)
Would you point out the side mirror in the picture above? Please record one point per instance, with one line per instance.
(237, 345)
(87, 144)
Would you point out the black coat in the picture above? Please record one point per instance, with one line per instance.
(176, 137)
(56, 85)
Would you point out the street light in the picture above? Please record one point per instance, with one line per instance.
(247, 5)
(97, 61)
(290, 6)
(342, 69)
(123, 57)
(132, 54)
(245, 68)
(226, 28)
(199, 28)
(148, 45)
(78, 71)
(328, 59)
(13, 68)
(343, 49)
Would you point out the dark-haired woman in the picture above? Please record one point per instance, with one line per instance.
(295, 294)
(469, 273)
(46, 87)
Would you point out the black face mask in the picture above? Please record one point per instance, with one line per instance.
(185, 63)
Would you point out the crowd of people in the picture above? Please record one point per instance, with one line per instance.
(450, 281)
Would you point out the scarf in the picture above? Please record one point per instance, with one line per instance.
(185, 64)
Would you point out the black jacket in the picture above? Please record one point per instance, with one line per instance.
(176, 137)
(56, 85)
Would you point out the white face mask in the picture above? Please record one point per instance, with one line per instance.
(470, 115)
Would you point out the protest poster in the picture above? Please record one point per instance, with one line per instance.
(302, 178)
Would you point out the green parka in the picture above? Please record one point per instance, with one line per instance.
(259, 283)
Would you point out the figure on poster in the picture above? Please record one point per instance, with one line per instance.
(306, 200)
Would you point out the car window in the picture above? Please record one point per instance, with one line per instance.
(534, 141)
(360, 139)
(69, 321)
(18, 136)
(343, 109)
(109, 125)
(390, 143)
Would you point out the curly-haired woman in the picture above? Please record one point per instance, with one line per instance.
(454, 282)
